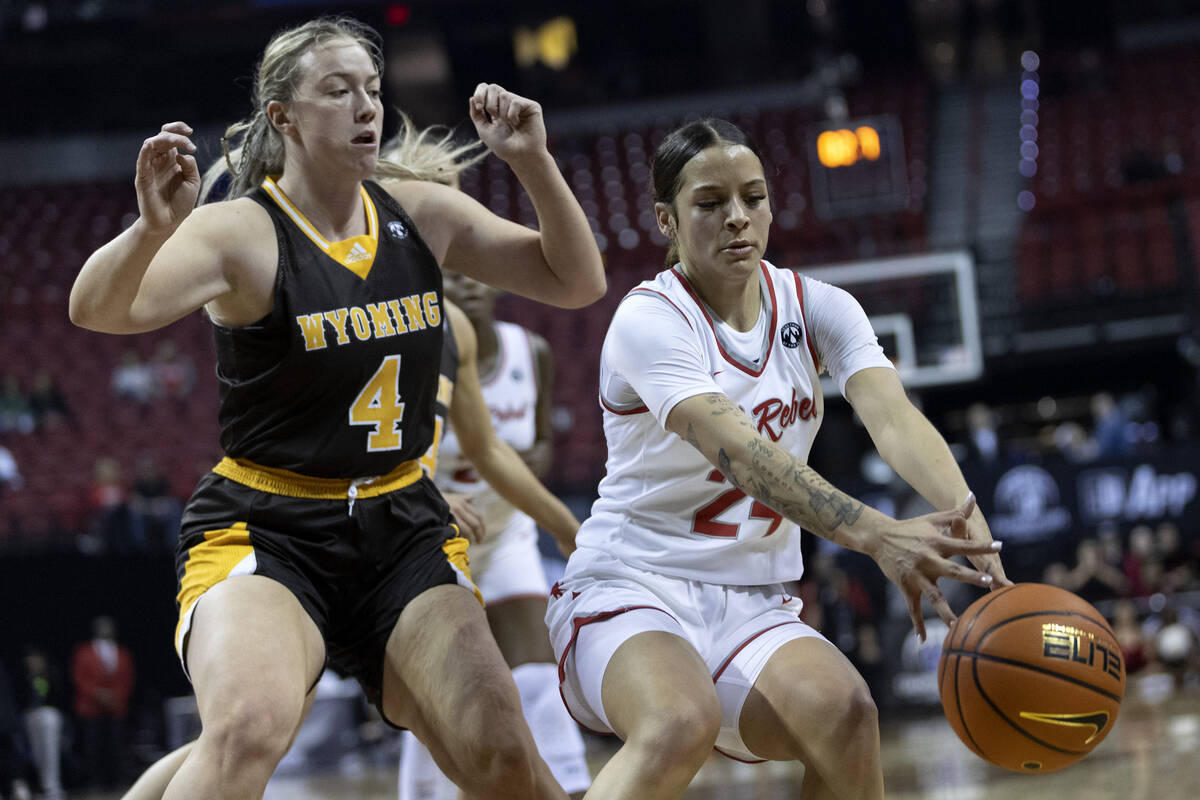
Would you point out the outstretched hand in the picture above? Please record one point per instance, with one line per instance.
(914, 553)
(977, 530)
(510, 125)
(167, 181)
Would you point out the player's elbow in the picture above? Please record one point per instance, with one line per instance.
(594, 289)
(583, 289)
(83, 313)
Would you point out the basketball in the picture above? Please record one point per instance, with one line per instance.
(1031, 678)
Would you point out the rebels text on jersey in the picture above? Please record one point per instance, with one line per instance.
(662, 505)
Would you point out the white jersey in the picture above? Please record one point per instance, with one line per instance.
(662, 505)
(511, 392)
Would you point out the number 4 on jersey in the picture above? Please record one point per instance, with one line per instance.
(705, 520)
(379, 405)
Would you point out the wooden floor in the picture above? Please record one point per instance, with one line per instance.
(1153, 753)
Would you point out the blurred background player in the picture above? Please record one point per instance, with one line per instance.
(515, 372)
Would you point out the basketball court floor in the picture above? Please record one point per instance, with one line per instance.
(1153, 753)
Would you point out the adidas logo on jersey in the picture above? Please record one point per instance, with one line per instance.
(356, 254)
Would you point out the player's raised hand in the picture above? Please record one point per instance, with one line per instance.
(914, 553)
(167, 179)
(510, 125)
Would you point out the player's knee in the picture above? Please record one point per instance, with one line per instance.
(850, 709)
(686, 730)
(249, 730)
(500, 768)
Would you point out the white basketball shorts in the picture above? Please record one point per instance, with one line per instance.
(601, 602)
(507, 564)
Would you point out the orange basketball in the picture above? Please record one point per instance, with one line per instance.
(1031, 678)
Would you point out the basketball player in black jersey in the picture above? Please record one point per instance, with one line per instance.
(461, 402)
(317, 538)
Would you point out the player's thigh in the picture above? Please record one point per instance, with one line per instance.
(252, 647)
(657, 680)
(442, 663)
(806, 686)
(519, 627)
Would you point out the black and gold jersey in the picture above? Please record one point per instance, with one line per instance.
(340, 379)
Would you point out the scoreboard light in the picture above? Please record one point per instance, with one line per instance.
(844, 147)
(858, 167)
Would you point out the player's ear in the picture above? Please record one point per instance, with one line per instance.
(278, 114)
(665, 215)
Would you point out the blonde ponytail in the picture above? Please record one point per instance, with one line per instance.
(428, 154)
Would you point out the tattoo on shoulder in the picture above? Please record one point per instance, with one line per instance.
(691, 437)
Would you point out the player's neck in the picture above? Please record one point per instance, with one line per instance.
(487, 347)
(334, 208)
(737, 302)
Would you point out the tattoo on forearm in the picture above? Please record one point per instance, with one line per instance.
(726, 466)
(774, 477)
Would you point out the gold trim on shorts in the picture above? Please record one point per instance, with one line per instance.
(293, 484)
(209, 562)
(456, 553)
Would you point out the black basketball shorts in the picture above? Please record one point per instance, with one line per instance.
(353, 555)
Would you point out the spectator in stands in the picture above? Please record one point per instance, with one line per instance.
(1109, 424)
(1141, 551)
(49, 406)
(1057, 574)
(12, 765)
(1112, 552)
(112, 524)
(41, 695)
(15, 412)
(102, 673)
(983, 441)
(1071, 441)
(1128, 630)
(1179, 566)
(1093, 579)
(133, 379)
(1176, 646)
(174, 373)
(10, 471)
(152, 503)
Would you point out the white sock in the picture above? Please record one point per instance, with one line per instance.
(420, 778)
(555, 733)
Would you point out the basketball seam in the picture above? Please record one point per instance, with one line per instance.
(961, 716)
(1015, 726)
(1012, 662)
(971, 624)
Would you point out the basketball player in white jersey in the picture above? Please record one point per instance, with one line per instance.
(515, 372)
(676, 623)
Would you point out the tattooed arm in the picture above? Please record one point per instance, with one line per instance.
(913, 553)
